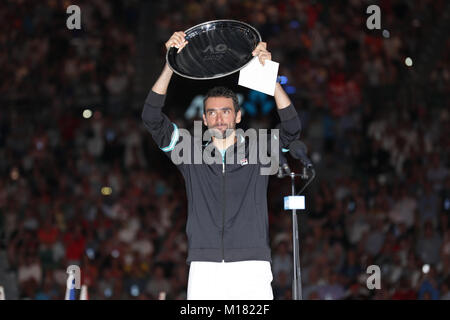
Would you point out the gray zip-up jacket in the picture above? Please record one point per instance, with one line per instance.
(227, 203)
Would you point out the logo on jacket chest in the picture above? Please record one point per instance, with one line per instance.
(244, 162)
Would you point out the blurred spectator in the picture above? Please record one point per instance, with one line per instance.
(404, 208)
(351, 268)
(429, 206)
(312, 285)
(29, 270)
(374, 240)
(429, 245)
(48, 290)
(404, 291)
(437, 172)
(282, 260)
(75, 244)
(332, 289)
(445, 290)
(158, 283)
(429, 288)
(282, 286)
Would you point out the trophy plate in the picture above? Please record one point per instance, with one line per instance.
(215, 49)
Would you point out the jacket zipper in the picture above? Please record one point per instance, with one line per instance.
(223, 211)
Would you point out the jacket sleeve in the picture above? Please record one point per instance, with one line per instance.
(290, 126)
(288, 130)
(164, 132)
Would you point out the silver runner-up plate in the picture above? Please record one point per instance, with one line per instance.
(215, 49)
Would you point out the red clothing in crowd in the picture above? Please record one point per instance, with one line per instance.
(404, 294)
(75, 246)
(48, 235)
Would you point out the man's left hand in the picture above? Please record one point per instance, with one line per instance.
(262, 53)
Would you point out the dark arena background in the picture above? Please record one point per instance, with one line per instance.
(82, 182)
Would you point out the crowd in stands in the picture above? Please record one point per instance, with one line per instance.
(381, 197)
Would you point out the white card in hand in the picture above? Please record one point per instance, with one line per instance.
(259, 77)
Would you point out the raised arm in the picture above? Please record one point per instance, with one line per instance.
(164, 132)
(290, 126)
(160, 86)
(281, 98)
(176, 40)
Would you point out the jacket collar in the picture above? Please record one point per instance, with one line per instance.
(240, 141)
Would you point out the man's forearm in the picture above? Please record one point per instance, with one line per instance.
(290, 122)
(281, 98)
(163, 81)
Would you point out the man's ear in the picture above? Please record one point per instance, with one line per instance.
(238, 116)
(204, 120)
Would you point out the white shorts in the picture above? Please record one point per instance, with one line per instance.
(242, 280)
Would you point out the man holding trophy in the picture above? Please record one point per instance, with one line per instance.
(227, 225)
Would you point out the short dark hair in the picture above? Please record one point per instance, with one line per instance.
(222, 92)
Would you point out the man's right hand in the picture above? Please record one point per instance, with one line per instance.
(177, 40)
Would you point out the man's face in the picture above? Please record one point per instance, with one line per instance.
(219, 115)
